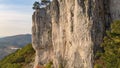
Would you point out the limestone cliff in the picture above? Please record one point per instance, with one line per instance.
(68, 32)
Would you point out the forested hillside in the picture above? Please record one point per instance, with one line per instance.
(22, 58)
(10, 44)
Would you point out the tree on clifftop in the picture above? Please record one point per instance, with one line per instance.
(38, 5)
(45, 1)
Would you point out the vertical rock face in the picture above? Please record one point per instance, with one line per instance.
(68, 32)
(115, 9)
(42, 36)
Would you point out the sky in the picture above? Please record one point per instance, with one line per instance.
(15, 17)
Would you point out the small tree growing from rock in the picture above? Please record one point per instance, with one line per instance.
(36, 5)
(45, 1)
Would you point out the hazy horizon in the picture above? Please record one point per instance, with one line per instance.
(15, 17)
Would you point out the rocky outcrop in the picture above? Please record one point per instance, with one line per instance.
(115, 9)
(68, 32)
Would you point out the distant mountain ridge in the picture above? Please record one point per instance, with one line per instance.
(17, 40)
(10, 43)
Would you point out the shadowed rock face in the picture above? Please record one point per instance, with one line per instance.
(115, 9)
(68, 32)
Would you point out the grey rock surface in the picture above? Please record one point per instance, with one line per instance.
(68, 32)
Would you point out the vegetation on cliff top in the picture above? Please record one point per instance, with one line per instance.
(20, 59)
(110, 57)
(38, 5)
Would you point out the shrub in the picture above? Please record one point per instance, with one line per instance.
(18, 59)
(111, 46)
(49, 65)
(9, 65)
(97, 66)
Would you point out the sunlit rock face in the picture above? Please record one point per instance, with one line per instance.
(68, 32)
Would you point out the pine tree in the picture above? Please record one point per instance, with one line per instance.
(36, 5)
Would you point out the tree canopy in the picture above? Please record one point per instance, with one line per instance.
(38, 5)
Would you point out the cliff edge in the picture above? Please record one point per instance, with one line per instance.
(68, 32)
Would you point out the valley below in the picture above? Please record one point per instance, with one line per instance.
(10, 44)
(5, 51)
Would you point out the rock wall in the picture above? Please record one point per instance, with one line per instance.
(68, 32)
(115, 9)
(42, 36)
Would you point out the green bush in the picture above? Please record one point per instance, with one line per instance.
(115, 27)
(49, 65)
(9, 65)
(18, 59)
(97, 66)
(111, 46)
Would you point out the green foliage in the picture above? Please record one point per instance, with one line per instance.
(18, 59)
(9, 65)
(45, 1)
(36, 5)
(110, 58)
(49, 65)
(116, 27)
(97, 66)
